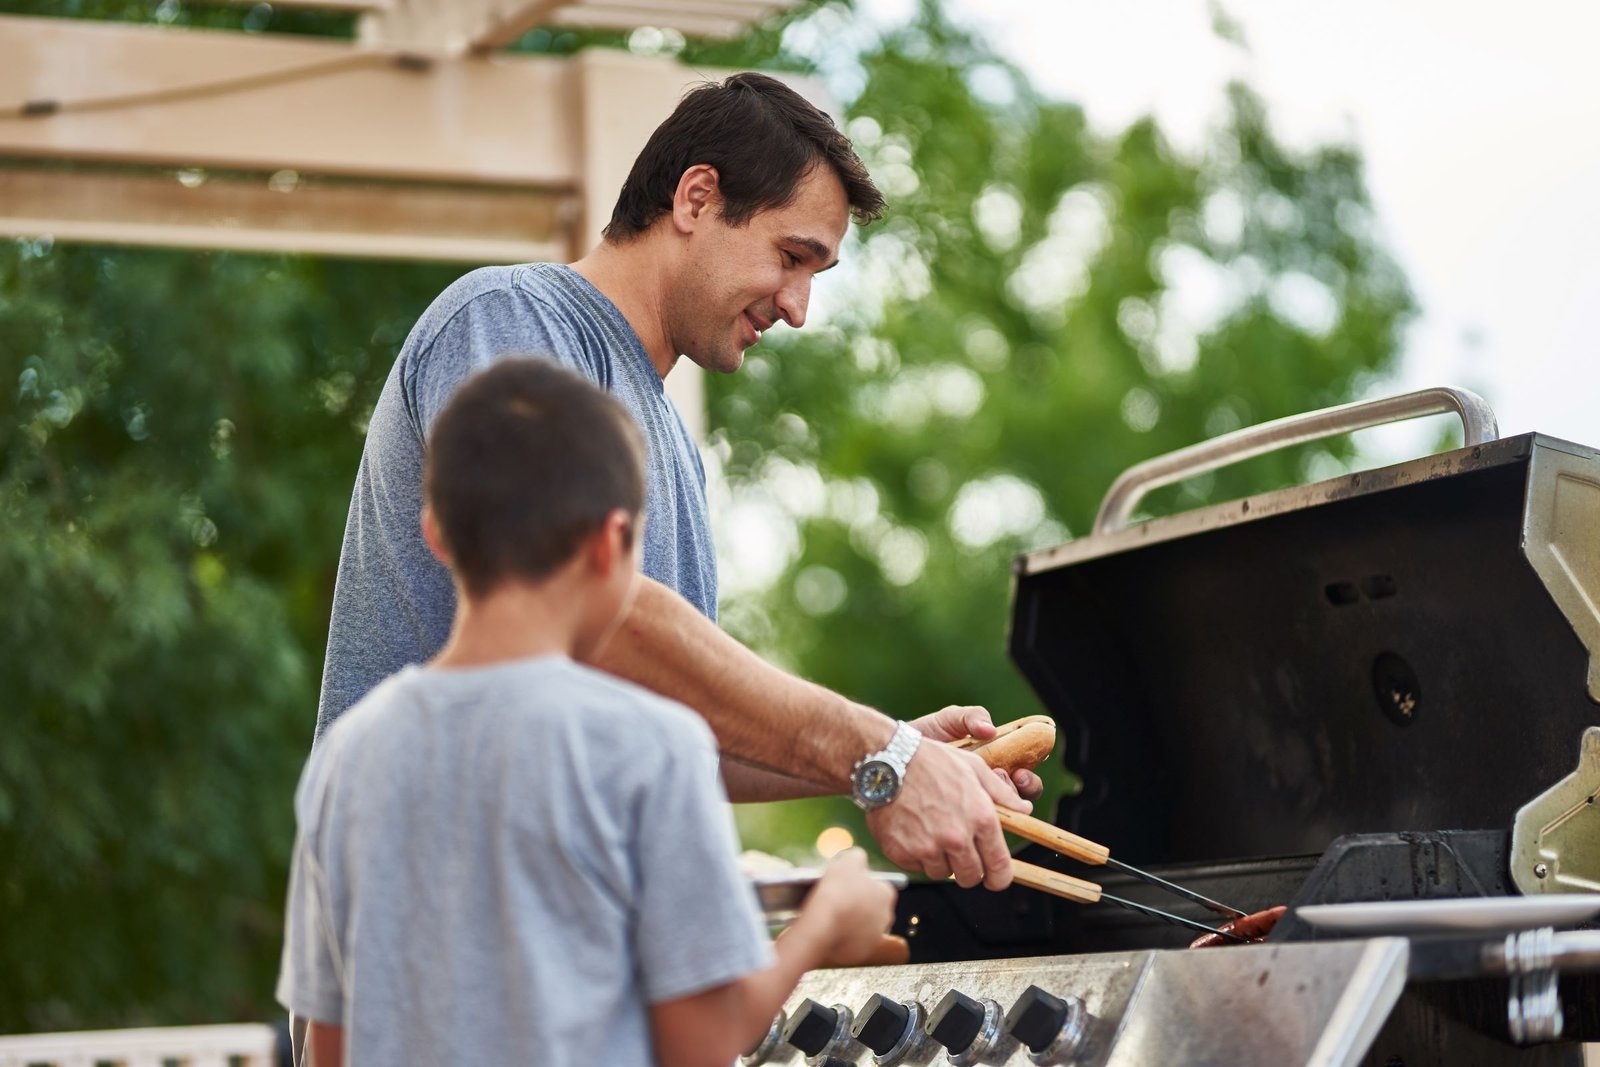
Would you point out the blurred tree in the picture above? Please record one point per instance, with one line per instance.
(179, 432)
(177, 440)
(178, 437)
(1043, 307)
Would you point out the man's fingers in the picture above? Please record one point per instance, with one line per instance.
(976, 722)
(1029, 786)
(938, 869)
(956, 722)
(966, 865)
(996, 857)
(1001, 791)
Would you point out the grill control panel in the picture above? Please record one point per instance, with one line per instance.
(1244, 1005)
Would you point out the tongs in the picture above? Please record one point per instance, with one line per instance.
(1083, 850)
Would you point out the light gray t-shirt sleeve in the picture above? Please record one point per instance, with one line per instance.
(697, 922)
(309, 980)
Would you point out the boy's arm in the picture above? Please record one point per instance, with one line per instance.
(943, 822)
(327, 1045)
(713, 1028)
(843, 919)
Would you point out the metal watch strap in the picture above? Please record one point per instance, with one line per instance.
(901, 747)
(897, 754)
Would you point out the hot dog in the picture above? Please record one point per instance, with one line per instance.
(1019, 745)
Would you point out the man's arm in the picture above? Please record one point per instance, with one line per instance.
(943, 822)
(749, 784)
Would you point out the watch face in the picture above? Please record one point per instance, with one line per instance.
(877, 782)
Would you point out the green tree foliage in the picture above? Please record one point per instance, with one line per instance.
(179, 433)
(1042, 307)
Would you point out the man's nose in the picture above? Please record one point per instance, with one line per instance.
(793, 299)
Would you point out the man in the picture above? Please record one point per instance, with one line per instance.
(738, 200)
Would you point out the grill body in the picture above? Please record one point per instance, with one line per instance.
(1330, 693)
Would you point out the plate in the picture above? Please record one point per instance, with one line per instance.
(782, 892)
(1461, 913)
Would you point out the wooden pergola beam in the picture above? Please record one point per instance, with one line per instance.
(204, 98)
(456, 26)
(356, 6)
(281, 213)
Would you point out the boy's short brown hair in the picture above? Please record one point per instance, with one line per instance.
(527, 460)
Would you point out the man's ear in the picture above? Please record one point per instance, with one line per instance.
(435, 539)
(696, 196)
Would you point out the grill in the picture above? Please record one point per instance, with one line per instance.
(1332, 693)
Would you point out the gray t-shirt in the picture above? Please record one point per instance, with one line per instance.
(507, 864)
(392, 601)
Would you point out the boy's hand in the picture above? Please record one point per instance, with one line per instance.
(849, 911)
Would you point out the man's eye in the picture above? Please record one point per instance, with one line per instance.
(790, 259)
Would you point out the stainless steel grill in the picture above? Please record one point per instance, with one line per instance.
(1332, 693)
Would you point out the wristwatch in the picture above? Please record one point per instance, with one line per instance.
(876, 779)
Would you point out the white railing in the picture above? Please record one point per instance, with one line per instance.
(240, 1045)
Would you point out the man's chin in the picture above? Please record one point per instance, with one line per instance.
(719, 362)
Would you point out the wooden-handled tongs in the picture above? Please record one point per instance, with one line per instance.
(1083, 850)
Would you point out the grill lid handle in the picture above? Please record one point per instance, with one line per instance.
(1477, 423)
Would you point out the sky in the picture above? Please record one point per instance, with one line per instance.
(1478, 124)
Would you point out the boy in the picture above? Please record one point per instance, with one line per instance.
(504, 856)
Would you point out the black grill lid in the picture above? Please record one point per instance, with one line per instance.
(1402, 649)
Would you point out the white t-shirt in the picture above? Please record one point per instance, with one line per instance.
(507, 865)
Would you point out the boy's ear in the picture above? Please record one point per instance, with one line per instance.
(435, 539)
(612, 543)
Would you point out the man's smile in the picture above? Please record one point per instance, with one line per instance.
(757, 327)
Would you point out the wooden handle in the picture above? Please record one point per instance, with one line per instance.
(1053, 837)
(1054, 882)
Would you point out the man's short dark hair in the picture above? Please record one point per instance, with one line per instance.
(523, 464)
(763, 138)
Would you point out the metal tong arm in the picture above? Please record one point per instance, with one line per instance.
(1082, 892)
(1077, 889)
(1477, 423)
(1083, 850)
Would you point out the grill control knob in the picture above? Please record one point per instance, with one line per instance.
(820, 1032)
(765, 1049)
(892, 1030)
(968, 1029)
(955, 1023)
(1051, 1027)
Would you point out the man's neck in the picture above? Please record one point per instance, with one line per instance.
(511, 623)
(633, 277)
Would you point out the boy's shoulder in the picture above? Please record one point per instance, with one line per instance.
(527, 695)
(634, 705)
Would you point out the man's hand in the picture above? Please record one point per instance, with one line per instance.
(943, 821)
(956, 722)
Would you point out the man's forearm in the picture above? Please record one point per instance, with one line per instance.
(760, 714)
(749, 784)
